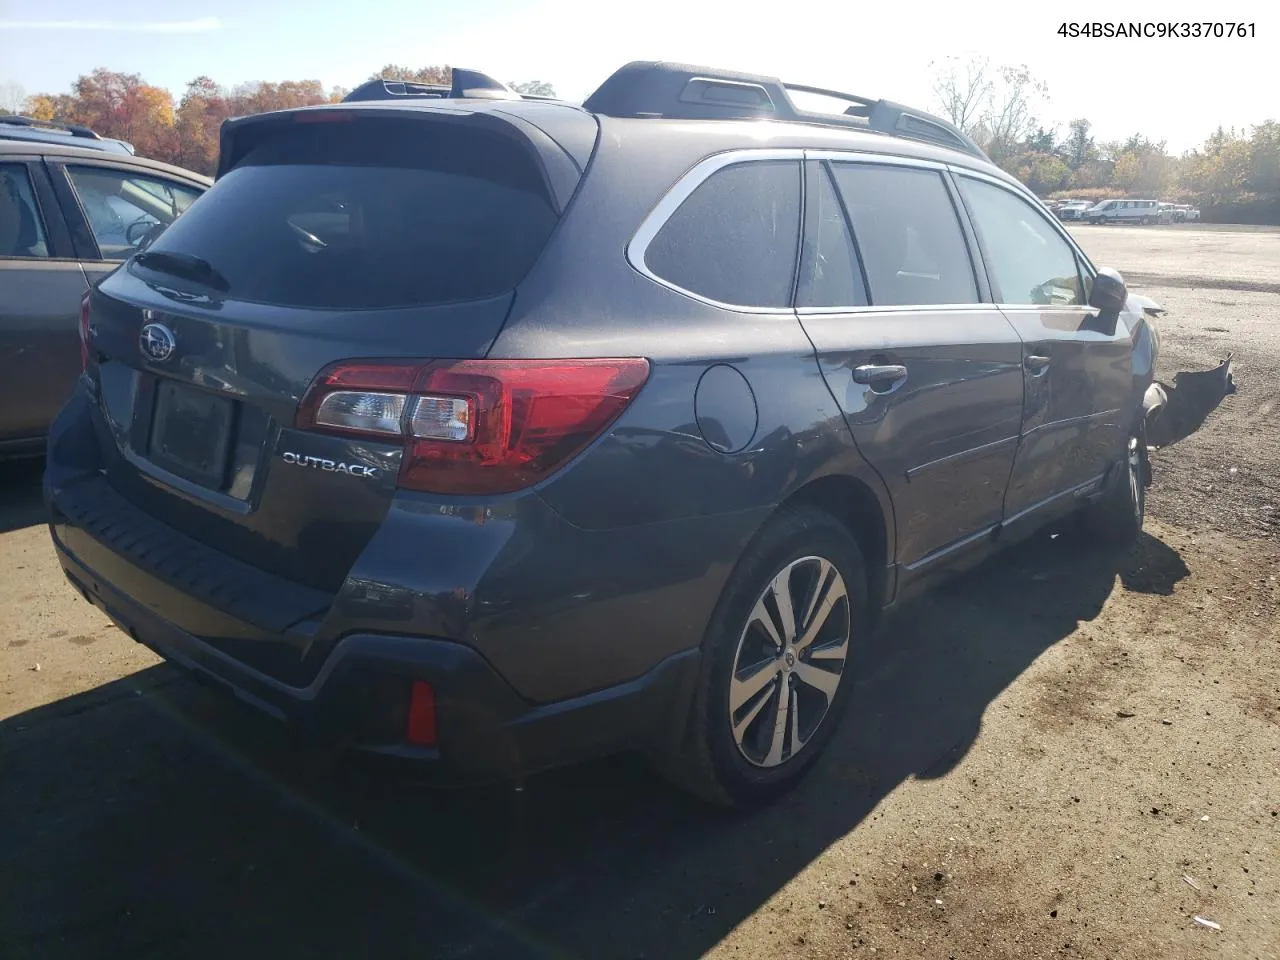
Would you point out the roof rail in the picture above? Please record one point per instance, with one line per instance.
(469, 84)
(683, 91)
(74, 129)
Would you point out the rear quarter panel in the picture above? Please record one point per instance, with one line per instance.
(659, 463)
(665, 503)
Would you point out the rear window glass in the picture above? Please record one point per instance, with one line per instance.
(908, 233)
(734, 239)
(21, 232)
(371, 213)
(829, 272)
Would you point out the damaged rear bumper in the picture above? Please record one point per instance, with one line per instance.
(1173, 412)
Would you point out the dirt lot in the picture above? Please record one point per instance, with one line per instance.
(1062, 754)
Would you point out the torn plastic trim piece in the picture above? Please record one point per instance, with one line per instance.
(1149, 306)
(1153, 401)
(1193, 395)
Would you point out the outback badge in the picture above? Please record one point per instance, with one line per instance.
(330, 466)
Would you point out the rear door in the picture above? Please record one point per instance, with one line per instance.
(1078, 375)
(355, 239)
(41, 286)
(928, 375)
(114, 209)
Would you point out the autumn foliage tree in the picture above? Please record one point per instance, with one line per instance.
(117, 102)
(200, 114)
(437, 75)
(121, 105)
(1234, 175)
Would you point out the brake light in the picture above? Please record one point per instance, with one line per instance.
(475, 426)
(84, 333)
(420, 724)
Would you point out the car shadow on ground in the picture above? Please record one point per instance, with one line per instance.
(156, 817)
(20, 498)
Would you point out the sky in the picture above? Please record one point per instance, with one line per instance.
(1174, 90)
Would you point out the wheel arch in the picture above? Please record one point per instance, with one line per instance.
(858, 509)
(683, 751)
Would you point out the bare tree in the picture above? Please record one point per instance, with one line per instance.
(1079, 147)
(12, 97)
(963, 90)
(994, 105)
(1010, 117)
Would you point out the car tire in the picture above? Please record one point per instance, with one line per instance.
(1116, 520)
(752, 732)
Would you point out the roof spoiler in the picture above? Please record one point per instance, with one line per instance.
(684, 91)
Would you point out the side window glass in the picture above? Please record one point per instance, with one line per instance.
(734, 239)
(21, 229)
(910, 239)
(829, 273)
(126, 211)
(1030, 262)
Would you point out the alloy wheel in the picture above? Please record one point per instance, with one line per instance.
(789, 662)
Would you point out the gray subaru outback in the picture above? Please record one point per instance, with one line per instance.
(497, 433)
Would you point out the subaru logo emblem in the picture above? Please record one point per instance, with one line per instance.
(157, 342)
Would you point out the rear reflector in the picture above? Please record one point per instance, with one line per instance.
(475, 426)
(420, 725)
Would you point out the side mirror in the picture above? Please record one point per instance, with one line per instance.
(1109, 293)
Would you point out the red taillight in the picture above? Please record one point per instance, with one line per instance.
(84, 333)
(420, 724)
(475, 426)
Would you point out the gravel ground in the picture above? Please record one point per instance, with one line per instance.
(1064, 753)
(1204, 256)
(1225, 478)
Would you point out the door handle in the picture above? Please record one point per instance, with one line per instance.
(880, 377)
(1036, 366)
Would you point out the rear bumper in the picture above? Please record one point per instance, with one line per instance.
(544, 642)
(359, 699)
(557, 610)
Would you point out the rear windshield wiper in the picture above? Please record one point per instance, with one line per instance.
(183, 265)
